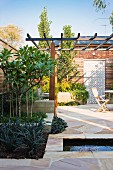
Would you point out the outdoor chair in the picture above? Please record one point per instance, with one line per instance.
(102, 102)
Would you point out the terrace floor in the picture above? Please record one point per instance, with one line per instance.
(83, 122)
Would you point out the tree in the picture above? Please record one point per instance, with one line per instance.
(44, 27)
(111, 20)
(26, 71)
(99, 4)
(11, 34)
(67, 68)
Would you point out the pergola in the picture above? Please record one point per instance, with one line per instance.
(81, 43)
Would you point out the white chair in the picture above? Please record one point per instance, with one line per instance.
(102, 102)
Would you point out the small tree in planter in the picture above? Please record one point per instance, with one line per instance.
(26, 71)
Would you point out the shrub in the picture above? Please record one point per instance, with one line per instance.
(71, 103)
(79, 92)
(58, 125)
(78, 86)
(22, 140)
(45, 87)
(64, 86)
(36, 117)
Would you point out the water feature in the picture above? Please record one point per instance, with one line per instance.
(87, 145)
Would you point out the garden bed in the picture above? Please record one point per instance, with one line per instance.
(27, 140)
(23, 141)
(22, 153)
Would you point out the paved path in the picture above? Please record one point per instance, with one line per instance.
(83, 122)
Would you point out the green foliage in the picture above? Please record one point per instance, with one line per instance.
(79, 92)
(44, 27)
(111, 19)
(23, 99)
(41, 115)
(64, 86)
(36, 117)
(23, 139)
(67, 68)
(78, 86)
(5, 100)
(58, 125)
(26, 71)
(31, 64)
(111, 86)
(71, 103)
(99, 4)
(45, 87)
(68, 34)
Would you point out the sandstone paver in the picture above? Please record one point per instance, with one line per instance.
(83, 122)
(76, 164)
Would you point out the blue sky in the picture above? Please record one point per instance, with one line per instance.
(80, 14)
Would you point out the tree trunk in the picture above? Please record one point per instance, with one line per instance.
(13, 103)
(19, 105)
(16, 105)
(2, 104)
(32, 104)
(2, 100)
(27, 104)
(10, 103)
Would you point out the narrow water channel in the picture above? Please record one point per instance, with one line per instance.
(87, 145)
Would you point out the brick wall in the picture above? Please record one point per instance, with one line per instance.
(107, 55)
(95, 54)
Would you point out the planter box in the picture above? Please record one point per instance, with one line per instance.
(45, 106)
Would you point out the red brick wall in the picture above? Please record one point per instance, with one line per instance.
(95, 54)
(108, 55)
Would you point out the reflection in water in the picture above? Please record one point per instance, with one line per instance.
(88, 148)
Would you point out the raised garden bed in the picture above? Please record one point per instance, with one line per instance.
(21, 141)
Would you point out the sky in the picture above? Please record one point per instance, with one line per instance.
(80, 14)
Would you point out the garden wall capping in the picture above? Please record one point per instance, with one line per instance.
(45, 106)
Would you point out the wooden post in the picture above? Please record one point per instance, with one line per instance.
(53, 80)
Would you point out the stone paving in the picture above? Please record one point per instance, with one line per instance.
(83, 122)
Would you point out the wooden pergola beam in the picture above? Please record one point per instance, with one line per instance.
(61, 40)
(91, 39)
(108, 38)
(46, 40)
(52, 39)
(31, 39)
(82, 38)
(8, 45)
(111, 46)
